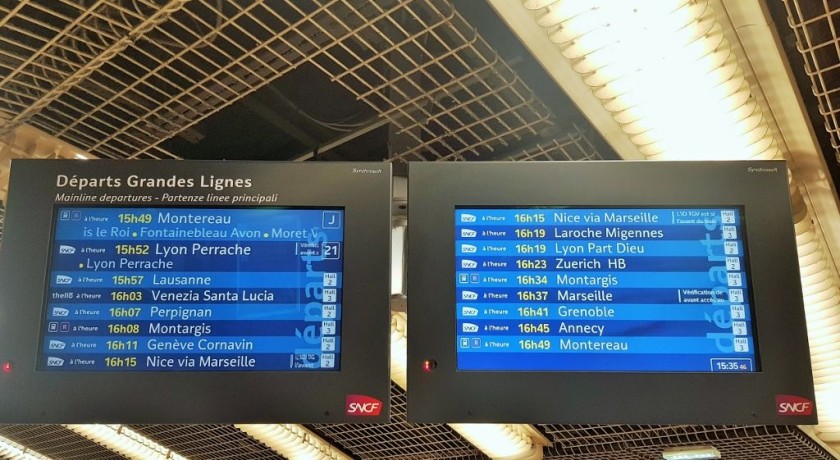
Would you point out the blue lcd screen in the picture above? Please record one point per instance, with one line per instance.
(603, 289)
(194, 289)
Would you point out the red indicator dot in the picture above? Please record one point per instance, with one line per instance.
(7, 367)
(429, 365)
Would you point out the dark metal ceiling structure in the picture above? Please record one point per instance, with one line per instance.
(400, 440)
(391, 80)
(142, 79)
(813, 26)
(810, 33)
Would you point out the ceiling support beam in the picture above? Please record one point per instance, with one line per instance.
(377, 123)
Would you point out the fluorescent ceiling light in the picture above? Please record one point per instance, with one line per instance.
(14, 451)
(126, 441)
(398, 259)
(293, 442)
(81, 156)
(399, 349)
(498, 441)
(691, 453)
(667, 73)
(822, 313)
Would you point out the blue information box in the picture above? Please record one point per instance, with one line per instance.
(182, 289)
(603, 289)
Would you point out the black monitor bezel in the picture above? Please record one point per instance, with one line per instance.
(448, 395)
(363, 190)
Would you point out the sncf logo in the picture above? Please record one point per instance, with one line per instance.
(793, 405)
(362, 405)
(467, 233)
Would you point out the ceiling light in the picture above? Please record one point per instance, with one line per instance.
(669, 77)
(398, 258)
(399, 349)
(691, 453)
(508, 441)
(822, 313)
(81, 156)
(641, 58)
(293, 442)
(500, 441)
(126, 441)
(14, 451)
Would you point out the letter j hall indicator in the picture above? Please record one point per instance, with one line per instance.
(331, 219)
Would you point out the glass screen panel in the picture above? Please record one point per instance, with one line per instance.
(194, 289)
(603, 289)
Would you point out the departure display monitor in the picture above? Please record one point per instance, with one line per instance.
(603, 289)
(613, 292)
(166, 289)
(195, 292)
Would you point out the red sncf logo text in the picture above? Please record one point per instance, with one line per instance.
(793, 405)
(362, 405)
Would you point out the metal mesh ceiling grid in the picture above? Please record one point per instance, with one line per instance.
(172, 66)
(423, 67)
(119, 77)
(56, 66)
(816, 25)
(57, 442)
(744, 444)
(644, 442)
(398, 439)
(208, 442)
